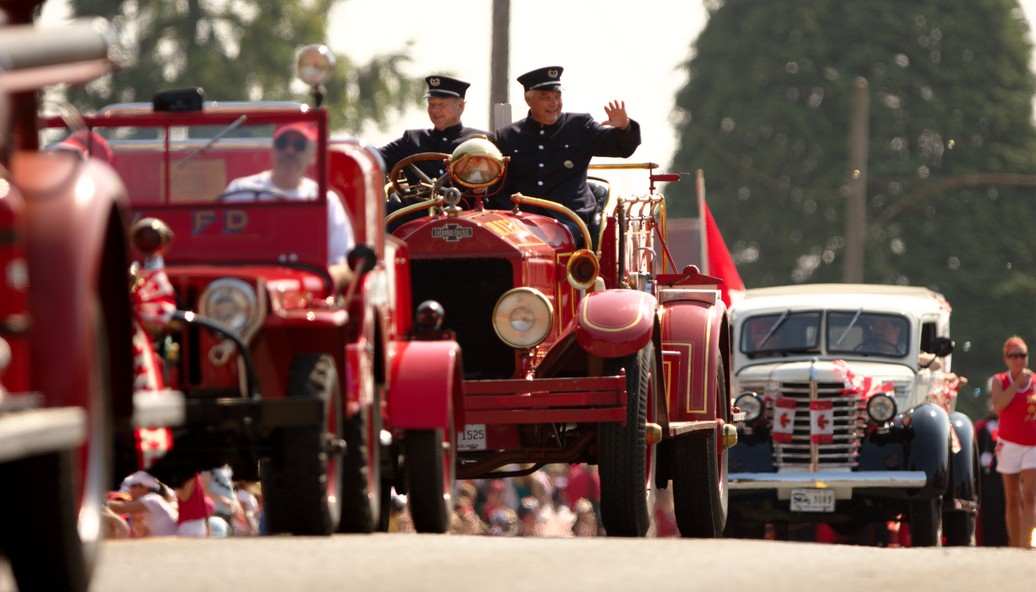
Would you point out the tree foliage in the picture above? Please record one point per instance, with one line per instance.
(765, 115)
(238, 51)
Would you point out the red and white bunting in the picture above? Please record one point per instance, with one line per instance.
(154, 301)
(822, 421)
(783, 419)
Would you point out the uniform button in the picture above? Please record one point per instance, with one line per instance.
(540, 165)
(543, 132)
(540, 146)
(540, 183)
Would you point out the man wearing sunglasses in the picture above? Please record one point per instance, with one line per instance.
(294, 150)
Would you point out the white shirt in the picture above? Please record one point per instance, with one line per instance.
(161, 515)
(260, 187)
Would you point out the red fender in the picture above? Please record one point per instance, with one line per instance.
(615, 323)
(693, 327)
(425, 385)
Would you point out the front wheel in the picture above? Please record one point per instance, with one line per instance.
(926, 523)
(959, 527)
(623, 452)
(429, 461)
(699, 495)
(302, 478)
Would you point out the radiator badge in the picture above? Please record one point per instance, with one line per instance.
(451, 233)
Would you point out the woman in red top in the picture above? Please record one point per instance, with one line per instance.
(1013, 396)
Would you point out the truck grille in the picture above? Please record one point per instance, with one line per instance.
(849, 425)
(468, 290)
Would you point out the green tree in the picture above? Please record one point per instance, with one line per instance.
(241, 50)
(765, 115)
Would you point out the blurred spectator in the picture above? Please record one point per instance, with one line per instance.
(584, 482)
(529, 517)
(246, 523)
(115, 526)
(465, 519)
(585, 524)
(991, 530)
(496, 493)
(195, 508)
(503, 522)
(151, 513)
(219, 487)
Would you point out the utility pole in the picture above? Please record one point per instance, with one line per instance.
(856, 209)
(500, 56)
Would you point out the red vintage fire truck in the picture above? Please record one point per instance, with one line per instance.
(65, 361)
(606, 356)
(286, 357)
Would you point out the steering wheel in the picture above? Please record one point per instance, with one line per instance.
(876, 345)
(401, 185)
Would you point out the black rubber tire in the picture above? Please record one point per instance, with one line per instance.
(700, 499)
(926, 523)
(362, 507)
(302, 480)
(40, 539)
(700, 495)
(623, 452)
(959, 528)
(428, 468)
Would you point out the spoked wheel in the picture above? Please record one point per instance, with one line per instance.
(429, 459)
(700, 478)
(623, 452)
(302, 478)
(926, 523)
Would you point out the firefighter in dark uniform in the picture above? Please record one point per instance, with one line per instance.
(445, 106)
(551, 150)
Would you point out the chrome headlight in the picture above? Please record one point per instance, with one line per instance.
(523, 317)
(750, 404)
(477, 162)
(232, 303)
(881, 408)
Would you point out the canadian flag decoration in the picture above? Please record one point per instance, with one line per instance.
(783, 419)
(152, 444)
(153, 301)
(821, 421)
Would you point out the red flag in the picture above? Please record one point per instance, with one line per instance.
(717, 259)
(783, 419)
(822, 421)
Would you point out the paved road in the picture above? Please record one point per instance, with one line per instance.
(489, 564)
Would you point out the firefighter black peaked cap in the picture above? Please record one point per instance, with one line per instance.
(444, 86)
(548, 78)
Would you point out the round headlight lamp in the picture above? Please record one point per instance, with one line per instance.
(314, 64)
(523, 317)
(230, 302)
(476, 163)
(881, 408)
(750, 404)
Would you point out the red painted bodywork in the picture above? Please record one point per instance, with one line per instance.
(280, 249)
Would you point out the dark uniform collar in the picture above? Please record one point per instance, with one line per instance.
(453, 130)
(544, 129)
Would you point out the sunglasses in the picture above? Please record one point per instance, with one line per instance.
(299, 144)
(1018, 356)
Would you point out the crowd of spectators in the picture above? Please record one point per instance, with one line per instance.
(556, 501)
